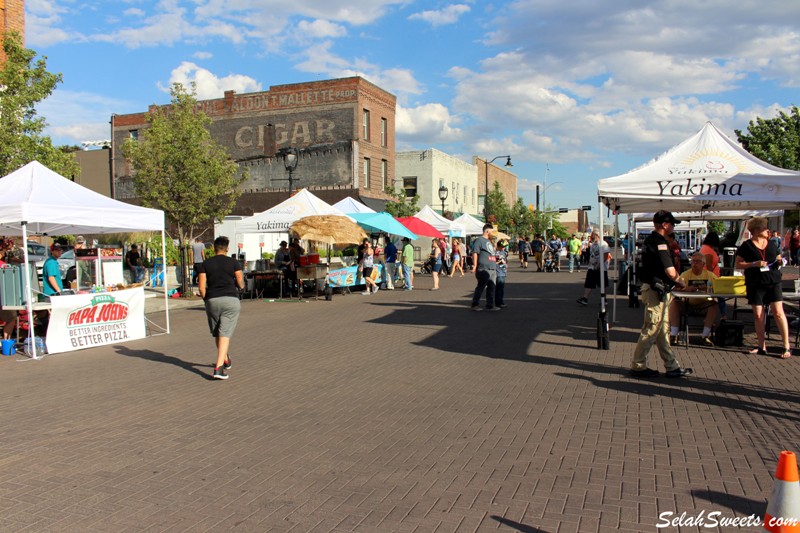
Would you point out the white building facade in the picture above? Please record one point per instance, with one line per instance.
(423, 172)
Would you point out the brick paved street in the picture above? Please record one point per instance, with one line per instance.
(395, 412)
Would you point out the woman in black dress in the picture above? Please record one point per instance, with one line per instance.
(761, 261)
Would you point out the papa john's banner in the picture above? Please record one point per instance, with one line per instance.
(87, 320)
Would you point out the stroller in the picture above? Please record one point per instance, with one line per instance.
(550, 264)
(427, 266)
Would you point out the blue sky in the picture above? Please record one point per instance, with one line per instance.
(588, 88)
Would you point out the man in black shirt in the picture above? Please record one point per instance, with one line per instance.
(219, 281)
(658, 275)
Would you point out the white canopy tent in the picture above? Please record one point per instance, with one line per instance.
(706, 173)
(351, 205)
(446, 226)
(278, 219)
(472, 226)
(35, 200)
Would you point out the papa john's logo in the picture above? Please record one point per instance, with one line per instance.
(103, 309)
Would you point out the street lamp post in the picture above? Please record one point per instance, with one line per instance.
(443, 196)
(290, 160)
(486, 174)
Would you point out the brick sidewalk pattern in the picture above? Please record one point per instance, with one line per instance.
(394, 412)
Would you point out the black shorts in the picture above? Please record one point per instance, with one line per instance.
(525, 257)
(764, 294)
(593, 279)
(367, 272)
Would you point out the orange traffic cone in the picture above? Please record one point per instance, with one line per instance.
(783, 509)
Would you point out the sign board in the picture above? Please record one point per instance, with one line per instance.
(95, 319)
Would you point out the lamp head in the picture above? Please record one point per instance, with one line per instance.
(508, 162)
(443, 193)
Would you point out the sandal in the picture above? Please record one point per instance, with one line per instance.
(787, 353)
(758, 351)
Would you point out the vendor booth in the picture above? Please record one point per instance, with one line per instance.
(34, 200)
(472, 226)
(448, 227)
(706, 173)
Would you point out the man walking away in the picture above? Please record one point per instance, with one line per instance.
(483, 266)
(220, 277)
(198, 256)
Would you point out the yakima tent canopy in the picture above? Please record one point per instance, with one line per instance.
(444, 225)
(36, 200)
(278, 219)
(706, 172)
(472, 226)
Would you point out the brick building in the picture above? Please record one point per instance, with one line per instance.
(12, 18)
(342, 129)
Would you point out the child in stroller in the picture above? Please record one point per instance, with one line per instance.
(550, 264)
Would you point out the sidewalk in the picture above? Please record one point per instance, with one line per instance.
(393, 412)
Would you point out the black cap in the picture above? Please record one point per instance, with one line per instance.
(664, 216)
(283, 243)
(406, 239)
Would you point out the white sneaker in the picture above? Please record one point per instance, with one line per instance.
(375, 289)
(365, 293)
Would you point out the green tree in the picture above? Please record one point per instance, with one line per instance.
(522, 220)
(498, 210)
(179, 168)
(401, 205)
(717, 226)
(775, 140)
(24, 83)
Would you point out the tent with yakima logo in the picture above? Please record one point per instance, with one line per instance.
(706, 172)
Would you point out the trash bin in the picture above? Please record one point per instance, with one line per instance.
(729, 257)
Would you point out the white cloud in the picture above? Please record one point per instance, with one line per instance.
(133, 12)
(430, 123)
(42, 18)
(441, 17)
(202, 55)
(209, 85)
(320, 60)
(319, 29)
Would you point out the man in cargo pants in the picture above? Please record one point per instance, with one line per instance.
(658, 274)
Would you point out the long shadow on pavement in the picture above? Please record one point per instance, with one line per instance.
(149, 355)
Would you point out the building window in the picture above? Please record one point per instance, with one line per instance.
(465, 193)
(410, 186)
(366, 172)
(384, 173)
(365, 134)
(473, 196)
(134, 134)
(384, 132)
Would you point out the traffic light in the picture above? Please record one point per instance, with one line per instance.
(586, 207)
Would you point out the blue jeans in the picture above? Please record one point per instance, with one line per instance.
(407, 276)
(486, 279)
(499, 291)
(574, 261)
(138, 273)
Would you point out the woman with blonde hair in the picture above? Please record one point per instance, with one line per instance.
(761, 261)
(456, 259)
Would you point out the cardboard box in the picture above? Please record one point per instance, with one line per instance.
(729, 285)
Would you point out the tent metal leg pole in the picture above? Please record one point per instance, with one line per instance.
(164, 274)
(602, 320)
(29, 290)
